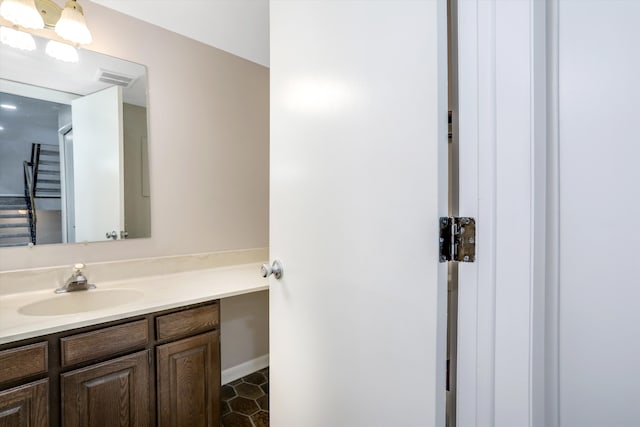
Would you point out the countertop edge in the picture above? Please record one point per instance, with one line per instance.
(184, 298)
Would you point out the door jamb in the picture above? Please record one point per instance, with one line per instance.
(502, 127)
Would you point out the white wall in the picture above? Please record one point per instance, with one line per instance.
(15, 151)
(596, 283)
(208, 153)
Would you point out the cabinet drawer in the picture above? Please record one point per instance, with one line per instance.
(187, 322)
(22, 362)
(104, 342)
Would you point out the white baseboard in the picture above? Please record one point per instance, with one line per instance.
(244, 369)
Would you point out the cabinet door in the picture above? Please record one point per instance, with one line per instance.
(189, 381)
(27, 405)
(113, 393)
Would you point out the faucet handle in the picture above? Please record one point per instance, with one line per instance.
(78, 276)
(76, 282)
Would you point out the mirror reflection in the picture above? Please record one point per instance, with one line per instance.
(73, 148)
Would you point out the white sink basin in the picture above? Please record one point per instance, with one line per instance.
(80, 302)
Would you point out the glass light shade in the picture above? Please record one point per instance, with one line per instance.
(61, 51)
(22, 13)
(72, 26)
(17, 39)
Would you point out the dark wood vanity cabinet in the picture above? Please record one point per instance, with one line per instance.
(159, 369)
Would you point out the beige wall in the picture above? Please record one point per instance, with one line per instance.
(137, 207)
(245, 317)
(208, 160)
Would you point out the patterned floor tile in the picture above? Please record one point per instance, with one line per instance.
(245, 402)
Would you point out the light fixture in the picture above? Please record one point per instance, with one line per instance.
(22, 13)
(72, 26)
(62, 51)
(68, 22)
(17, 39)
(8, 106)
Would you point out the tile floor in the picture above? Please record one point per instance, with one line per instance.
(245, 402)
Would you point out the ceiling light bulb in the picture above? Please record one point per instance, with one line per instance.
(17, 39)
(72, 26)
(61, 51)
(22, 13)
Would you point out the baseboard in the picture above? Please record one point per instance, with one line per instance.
(244, 369)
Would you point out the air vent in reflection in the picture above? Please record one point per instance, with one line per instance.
(114, 78)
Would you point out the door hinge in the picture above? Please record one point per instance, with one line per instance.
(457, 239)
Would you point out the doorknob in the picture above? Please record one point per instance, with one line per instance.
(275, 269)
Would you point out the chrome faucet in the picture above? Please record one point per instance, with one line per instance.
(77, 282)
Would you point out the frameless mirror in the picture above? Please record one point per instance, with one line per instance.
(73, 148)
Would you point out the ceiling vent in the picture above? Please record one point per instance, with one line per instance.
(113, 78)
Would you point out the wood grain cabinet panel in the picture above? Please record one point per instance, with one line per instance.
(109, 394)
(104, 342)
(188, 373)
(23, 362)
(27, 405)
(187, 322)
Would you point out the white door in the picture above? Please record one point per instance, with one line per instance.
(358, 182)
(66, 184)
(598, 276)
(98, 176)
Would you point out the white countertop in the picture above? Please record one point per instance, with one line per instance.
(151, 293)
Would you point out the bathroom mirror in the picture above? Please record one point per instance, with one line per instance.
(73, 148)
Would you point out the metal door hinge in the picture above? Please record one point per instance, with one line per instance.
(457, 239)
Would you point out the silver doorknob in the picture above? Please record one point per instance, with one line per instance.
(275, 269)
